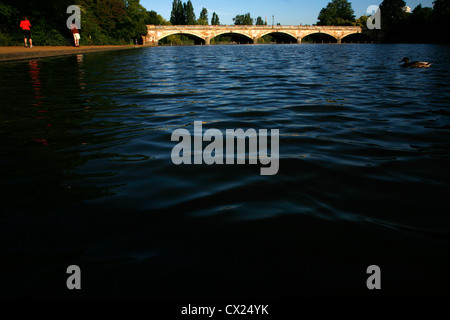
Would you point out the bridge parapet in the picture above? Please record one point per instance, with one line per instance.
(305, 27)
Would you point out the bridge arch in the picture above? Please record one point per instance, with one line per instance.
(230, 32)
(181, 32)
(226, 32)
(194, 35)
(356, 37)
(274, 32)
(320, 37)
(318, 32)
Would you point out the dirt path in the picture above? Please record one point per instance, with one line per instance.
(19, 53)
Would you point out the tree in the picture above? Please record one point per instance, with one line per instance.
(362, 21)
(203, 18)
(260, 22)
(152, 18)
(215, 19)
(189, 13)
(110, 22)
(8, 16)
(103, 22)
(177, 16)
(336, 13)
(421, 15)
(392, 13)
(442, 7)
(133, 24)
(441, 13)
(418, 27)
(156, 19)
(243, 19)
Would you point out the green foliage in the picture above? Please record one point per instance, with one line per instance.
(152, 17)
(177, 40)
(189, 13)
(103, 21)
(230, 39)
(45, 35)
(421, 15)
(361, 21)
(243, 19)
(266, 39)
(203, 18)
(441, 8)
(7, 39)
(177, 16)
(100, 39)
(8, 16)
(336, 13)
(183, 14)
(260, 22)
(441, 16)
(418, 26)
(215, 19)
(9, 27)
(132, 25)
(108, 14)
(113, 21)
(392, 13)
(222, 39)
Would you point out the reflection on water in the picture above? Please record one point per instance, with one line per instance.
(36, 83)
(37, 98)
(364, 147)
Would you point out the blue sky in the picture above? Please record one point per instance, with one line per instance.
(286, 12)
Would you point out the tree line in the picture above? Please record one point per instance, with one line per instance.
(124, 21)
(102, 21)
(423, 24)
(183, 14)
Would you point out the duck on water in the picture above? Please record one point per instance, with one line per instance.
(415, 64)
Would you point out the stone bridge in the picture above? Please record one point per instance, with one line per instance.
(206, 33)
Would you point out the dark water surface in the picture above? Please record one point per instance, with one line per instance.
(364, 179)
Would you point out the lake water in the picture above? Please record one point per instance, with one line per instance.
(87, 177)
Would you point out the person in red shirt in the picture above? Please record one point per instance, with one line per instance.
(76, 34)
(26, 29)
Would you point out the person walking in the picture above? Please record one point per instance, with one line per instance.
(76, 34)
(26, 29)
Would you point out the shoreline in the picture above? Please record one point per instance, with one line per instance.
(22, 53)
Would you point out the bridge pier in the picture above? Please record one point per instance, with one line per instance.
(255, 40)
(339, 40)
(299, 40)
(207, 41)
